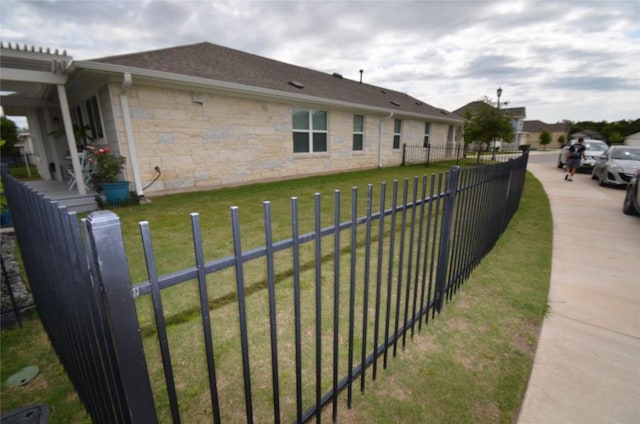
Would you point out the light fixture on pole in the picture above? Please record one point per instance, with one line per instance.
(493, 154)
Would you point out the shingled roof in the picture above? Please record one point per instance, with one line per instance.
(539, 126)
(216, 63)
(511, 111)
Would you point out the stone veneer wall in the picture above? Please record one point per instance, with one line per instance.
(203, 141)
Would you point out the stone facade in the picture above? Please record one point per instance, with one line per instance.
(202, 141)
(533, 130)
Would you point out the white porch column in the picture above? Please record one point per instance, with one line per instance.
(51, 149)
(71, 139)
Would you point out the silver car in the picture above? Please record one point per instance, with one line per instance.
(617, 165)
(592, 149)
(631, 204)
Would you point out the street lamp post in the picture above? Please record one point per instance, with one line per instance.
(493, 155)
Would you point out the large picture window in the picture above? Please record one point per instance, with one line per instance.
(358, 132)
(397, 130)
(309, 130)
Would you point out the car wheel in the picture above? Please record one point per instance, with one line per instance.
(627, 205)
(560, 164)
(593, 174)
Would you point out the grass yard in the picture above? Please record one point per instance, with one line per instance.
(470, 364)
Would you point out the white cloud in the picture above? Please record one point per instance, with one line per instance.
(561, 60)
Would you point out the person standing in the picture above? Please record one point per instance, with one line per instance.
(575, 153)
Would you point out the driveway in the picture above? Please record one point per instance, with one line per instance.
(587, 365)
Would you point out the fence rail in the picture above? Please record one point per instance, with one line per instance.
(446, 156)
(303, 319)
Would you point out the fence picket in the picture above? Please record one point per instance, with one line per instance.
(423, 256)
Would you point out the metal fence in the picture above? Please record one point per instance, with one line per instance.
(20, 166)
(446, 156)
(282, 329)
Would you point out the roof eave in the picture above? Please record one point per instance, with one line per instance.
(248, 90)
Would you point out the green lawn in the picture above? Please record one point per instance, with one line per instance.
(470, 364)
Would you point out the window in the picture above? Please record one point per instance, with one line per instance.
(89, 119)
(397, 128)
(427, 127)
(358, 132)
(93, 113)
(309, 130)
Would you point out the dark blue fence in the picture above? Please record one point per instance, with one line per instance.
(284, 329)
(446, 156)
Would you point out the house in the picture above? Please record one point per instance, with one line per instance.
(517, 115)
(587, 134)
(209, 116)
(632, 139)
(533, 129)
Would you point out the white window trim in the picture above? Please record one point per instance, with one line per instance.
(398, 134)
(311, 131)
(358, 133)
(427, 131)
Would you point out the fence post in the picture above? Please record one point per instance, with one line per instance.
(445, 236)
(404, 153)
(114, 285)
(428, 146)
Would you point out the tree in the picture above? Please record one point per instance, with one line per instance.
(545, 138)
(8, 133)
(615, 138)
(561, 140)
(608, 130)
(485, 123)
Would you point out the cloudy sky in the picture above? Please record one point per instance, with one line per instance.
(576, 60)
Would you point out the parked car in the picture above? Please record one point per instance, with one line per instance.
(593, 149)
(617, 165)
(631, 204)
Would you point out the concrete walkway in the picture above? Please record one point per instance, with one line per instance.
(587, 365)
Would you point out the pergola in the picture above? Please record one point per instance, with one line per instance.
(32, 84)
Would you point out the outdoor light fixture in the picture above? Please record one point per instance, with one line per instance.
(493, 155)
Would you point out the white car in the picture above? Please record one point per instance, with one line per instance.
(593, 149)
(617, 165)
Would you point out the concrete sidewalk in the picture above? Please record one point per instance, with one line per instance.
(587, 364)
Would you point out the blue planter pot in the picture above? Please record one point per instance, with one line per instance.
(5, 218)
(117, 192)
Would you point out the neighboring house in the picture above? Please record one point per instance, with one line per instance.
(209, 116)
(533, 129)
(587, 134)
(633, 139)
(517, 115)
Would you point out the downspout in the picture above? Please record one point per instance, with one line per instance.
(380, 138)
(124, 101)
(71, 139)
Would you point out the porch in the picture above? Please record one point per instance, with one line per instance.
(59, 191)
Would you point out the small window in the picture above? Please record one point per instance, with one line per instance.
(309, 130)
(397, 129)
(358, 132)
(427, 128)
